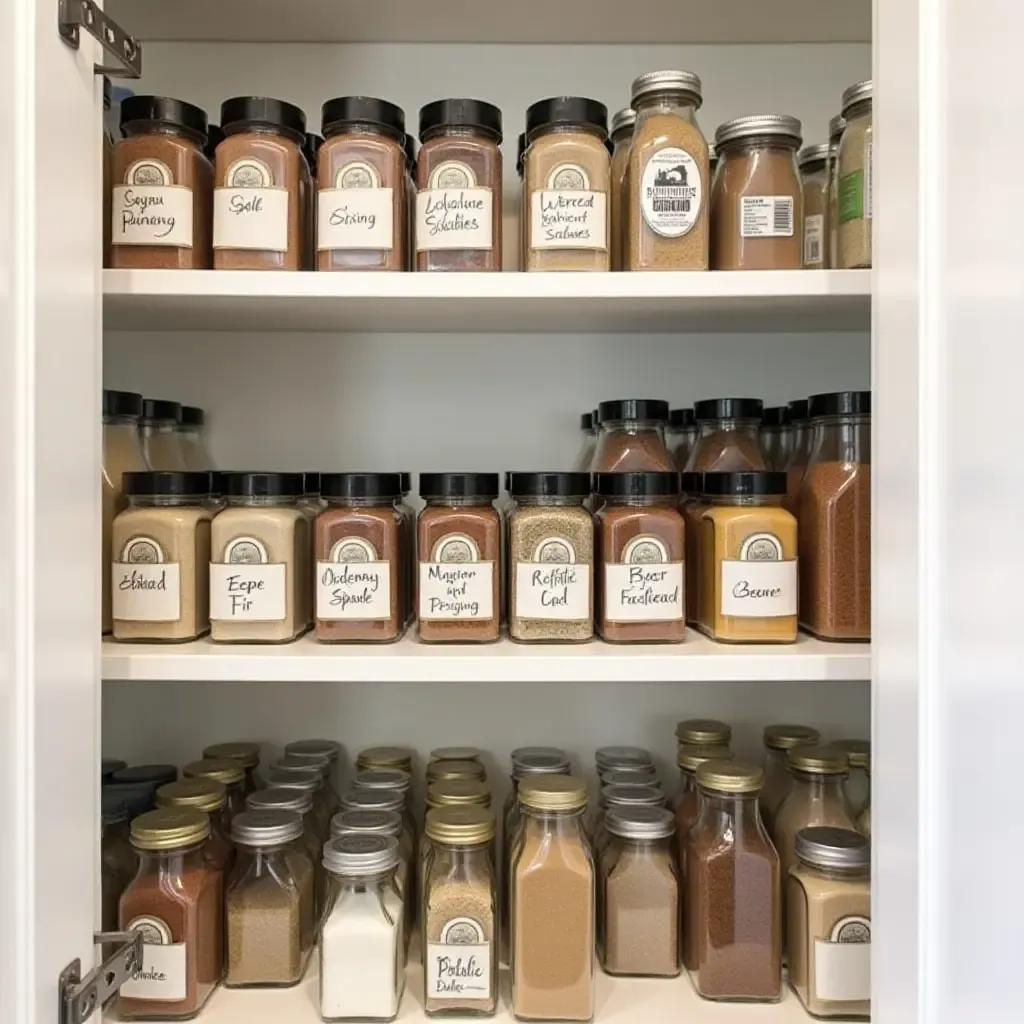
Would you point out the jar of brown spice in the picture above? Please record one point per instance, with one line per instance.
(729, 436)
(632, 437)
(813, 166)
(622, 137)
(686, 803)
(681, 436)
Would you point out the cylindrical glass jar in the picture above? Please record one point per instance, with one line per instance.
(299, 774)
(836, 127)
(211, 797)
(230, 773)
(668, 181)
(118, 861)
(588, 428)
(680, 436)
(631, 794)
(835, 519)
(775, 437)
(828, 895)
(778, 780)
(362, 223)
(191, 430)
(800, 452)
(246, 754)
(567, 176)
(622, 137)
(813, 166)
(855, 178)
(158, 431)
(729, 436)
(858, 785)
(632, 437)
(261, 186)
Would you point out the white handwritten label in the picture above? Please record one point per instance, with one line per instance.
(651, 592)
(842, 971)
(250, 218)
(572, 219)
(146, 591)
(454, 218)
(458, 971)
(759, 590)
(355, 218)
(353, 590)
(552, 590)
(248, 593)
(152, 215)
(456, 590)
(766, 217)
(163, 976)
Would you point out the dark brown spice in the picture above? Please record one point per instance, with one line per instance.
(632, 437)
(728, 440)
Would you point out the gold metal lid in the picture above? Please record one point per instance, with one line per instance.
(826, 760)
(785, 737)
(452, 792)
(691, 758)
(730, 776)
(246, 753)
(384, 757)
(704, 732)
(456, 754)
(231, 773)
(858, 751)
(169, 828)
(553, 792)
(438, 770)
(205, 794)
(460, 826)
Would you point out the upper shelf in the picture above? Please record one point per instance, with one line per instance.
(671, 302)
(527, 21)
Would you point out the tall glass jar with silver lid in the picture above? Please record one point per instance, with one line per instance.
(630, 794)
(310, 780)
(392, 780)
(813, 166)
(836, 126)
(855, 178)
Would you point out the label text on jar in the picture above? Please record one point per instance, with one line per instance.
(353, 590)
(250, 218)
(355, 218)
(569, 219)
(454, 218)
(143, 592)
(152, 215)
(247, 593)
(456, 590)
(759, 590)
(644, 593)
(551, 590)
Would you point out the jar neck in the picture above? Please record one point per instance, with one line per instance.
(710, 427)
(360, 128)
(640, 844)
(469, 501)
(640, 500)
(125, 423)
(757, 144)
(349, 502)
(171, 862)
(740, 807)
(554, 501)
(566, 129)
(249, 128)
(459, 131)
(260, 501)
(817, 786)
(150, 427)
(135, 128)
(744, 500)
(682, 104)
(861, 109)
(166, 500)
(562, 822)
(858, 874)
(371, 881)
(683, 433)
(631, 426)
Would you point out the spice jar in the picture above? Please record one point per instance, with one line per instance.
(296, 774)
(246, 754)
(118, 862)
(668, 179)
(362, 950)
(567, 175)
(681, 436)
(854, 178)
(362, 223)
(458, 180)
(836, 127)
(552, 903)
(775, 437)
(835, 519)
(813, 166)
(618, 795)
(137, 785)
(326, 752)
(640, 893)
(376, 758)
(757, 202)
(550, 558)
(588, 428)
(160, 575)
(230, 773)
(686, 802)
(622, 137)
(828, 943)
(729, 435)
(778, 741)
(691, 509)
(459, 913)
(858, 785)
(190, 429)
(261, 185)
(211, 797)
(158, 430)
(732, 936)
(163, 187)
(463, 768)
(380, 823)
(362, 530)
(392, 780)
(748, 585)
(640, 550)
(632, 437)
(269, 904)
(620, 756)
(175, 900)
(800, 452)
(459, 548)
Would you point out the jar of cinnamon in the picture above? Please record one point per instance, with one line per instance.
(632, 437)
(729, 437)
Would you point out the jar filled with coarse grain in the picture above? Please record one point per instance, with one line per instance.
(459, 551)
(729, 439)
(246, 754)
(261, 186)
(681, 436)
(158, 431)
(836, 127)
(854, 178)
(567, 175)
(668, 181)
(828, 895)
(362, 219)
(858, 785)
(163, 187)
(775, 437)
(757, 201)
(691, 509)
(732, 929)
(632, 437)
(687, 800)
(458, 186)
(550, 558)
(622, 137)
(778, 780)
(229, 773)
(799, 453)
(210, 797)
(639, 557)
(835, 519)
(813, 165)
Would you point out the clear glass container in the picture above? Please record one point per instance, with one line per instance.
(858, 785)
(681, 436)
(228, 772)
(729, 439)
(778, 780)
(620, 795)
(589, 430)
(324, 753)
(686, 800)
(799, 453)
(775, 437)
(300, 774)
(622, 138)
(382, 823)
(854, 180)
(836, 126)
(118, 861)
(632, 437)
(390, 780)
(246, 754)
(158, 430)
(211, 797)
(191, 431)
(813, 163)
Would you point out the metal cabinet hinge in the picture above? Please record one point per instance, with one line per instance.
(81, 997)
(74, 15)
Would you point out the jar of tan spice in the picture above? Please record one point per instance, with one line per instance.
(362, 222)
(632, 437)
(163, 187)
(854, 177)
(567, 173)
(668, 179)
(836, 127)
(459, 181)
(778, 741)
(729, 439)
(622, 137)
(813, 166)
(261, 185)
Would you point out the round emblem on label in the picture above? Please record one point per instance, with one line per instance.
(353, 549)
(249, 173)
(852, 929)
(456, 547)
(357, 174)
(148, 172)
(142, 549)
(154, 931)
(761, 547)
(463, 931)
(671, 192)
(569, 178)
(554, 549)
(246, 551)
(645, 550)
(452, 174)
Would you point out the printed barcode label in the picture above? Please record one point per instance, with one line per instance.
(814, 231)
(766, 217)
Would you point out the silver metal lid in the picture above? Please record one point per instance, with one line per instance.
(319, 762)
(623, 119)
(826, 847)
(554, 763)
(327, 748)
(616, 796)
(856, 94)
(385, 823)
(636, 775)
(836, 127)
(525, 753)
(813, 154)
(299, 763)
(266, 828)
(373, 800)
(640, 822)
(306, 778)
(621, 757)
(383, 778)
(280, 798)
(780, 128)
(360, 854)
(667, 81)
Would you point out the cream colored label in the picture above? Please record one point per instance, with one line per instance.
(454, 218)
(814, 240)
(143, 586)
(766, 217)
(575, 219)
(152, 215)
(759, 590)
(453, 589)
(842, 966)
(644, 590)
(355, 218)
(353, 590)
(241, 592)
(250, 218)
(163, 976)
(459, 966)
(552, 590)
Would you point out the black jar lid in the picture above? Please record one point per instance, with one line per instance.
(636, 485)
(164, 110)
(459, 485)
(406, 482)
(122, 403)
(566, 110)
(161, 409)
(193, 484)
(798, 410)
(311, 146)
(214, 137)
(681, 418)
(241, 112)
(775, 416)
(157, 774)
(633, 409)
(746, 484)
(460, 113)
(728, 409)
(218, 482)
(840, 403)
(263, 485)
(311, 481)
(343, 111)
(192, 416)
(386, 486)
(587, 421)
(548, 485)
(692, 483)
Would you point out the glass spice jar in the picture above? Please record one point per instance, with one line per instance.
(191, 431)
(452, 768)
(681, 436)
(775, 437)
(380, 823)
(375, 758)
(618, 795)
(621, 132)
(799, 453)
(778, 780)
(854, 178)
(246, 754)
(229, 772)
(458, 792)
(858, 785)
(297, 773)
(118, 862)
(327, 753)
(729, 436)
(621, 756)
(392, 780)
(812, 164)
(686, 801)
(632, 437)
(836, 127)
(158, 431)
(692, 509)
(211, 797)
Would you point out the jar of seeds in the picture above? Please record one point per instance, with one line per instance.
(854, 178)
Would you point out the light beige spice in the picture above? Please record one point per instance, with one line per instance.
(813, 163)
(854, 194)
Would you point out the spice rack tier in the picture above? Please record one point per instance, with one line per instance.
(696, 660)
(719, 301)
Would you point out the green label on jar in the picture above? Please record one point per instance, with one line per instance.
(851, 197)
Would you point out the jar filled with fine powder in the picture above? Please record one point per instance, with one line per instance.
(681, 435)
(622, 137)
(632, 437)
(854, 178)
(686, 803)
(836, 127)
(729, 439)
(813, 166)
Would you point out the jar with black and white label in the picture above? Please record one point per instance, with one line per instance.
(813, 163)
(757, 204)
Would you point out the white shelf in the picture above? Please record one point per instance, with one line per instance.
(240, 300)
(696, 660)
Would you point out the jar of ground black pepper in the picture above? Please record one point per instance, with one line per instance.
(836, 126)
(458, 181)
(261, 185)
(163, 187)
(211, 797)
(681, 436)
(854, 178)
(799, 453)
(362, 223)
(813, 166)
(778, 780)
(639, 555)
(161, 441)
(227, 771)
(775, 437)
(459, 549)
(622, 137)
(729, 435)
(632, 437)
(567, 171)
